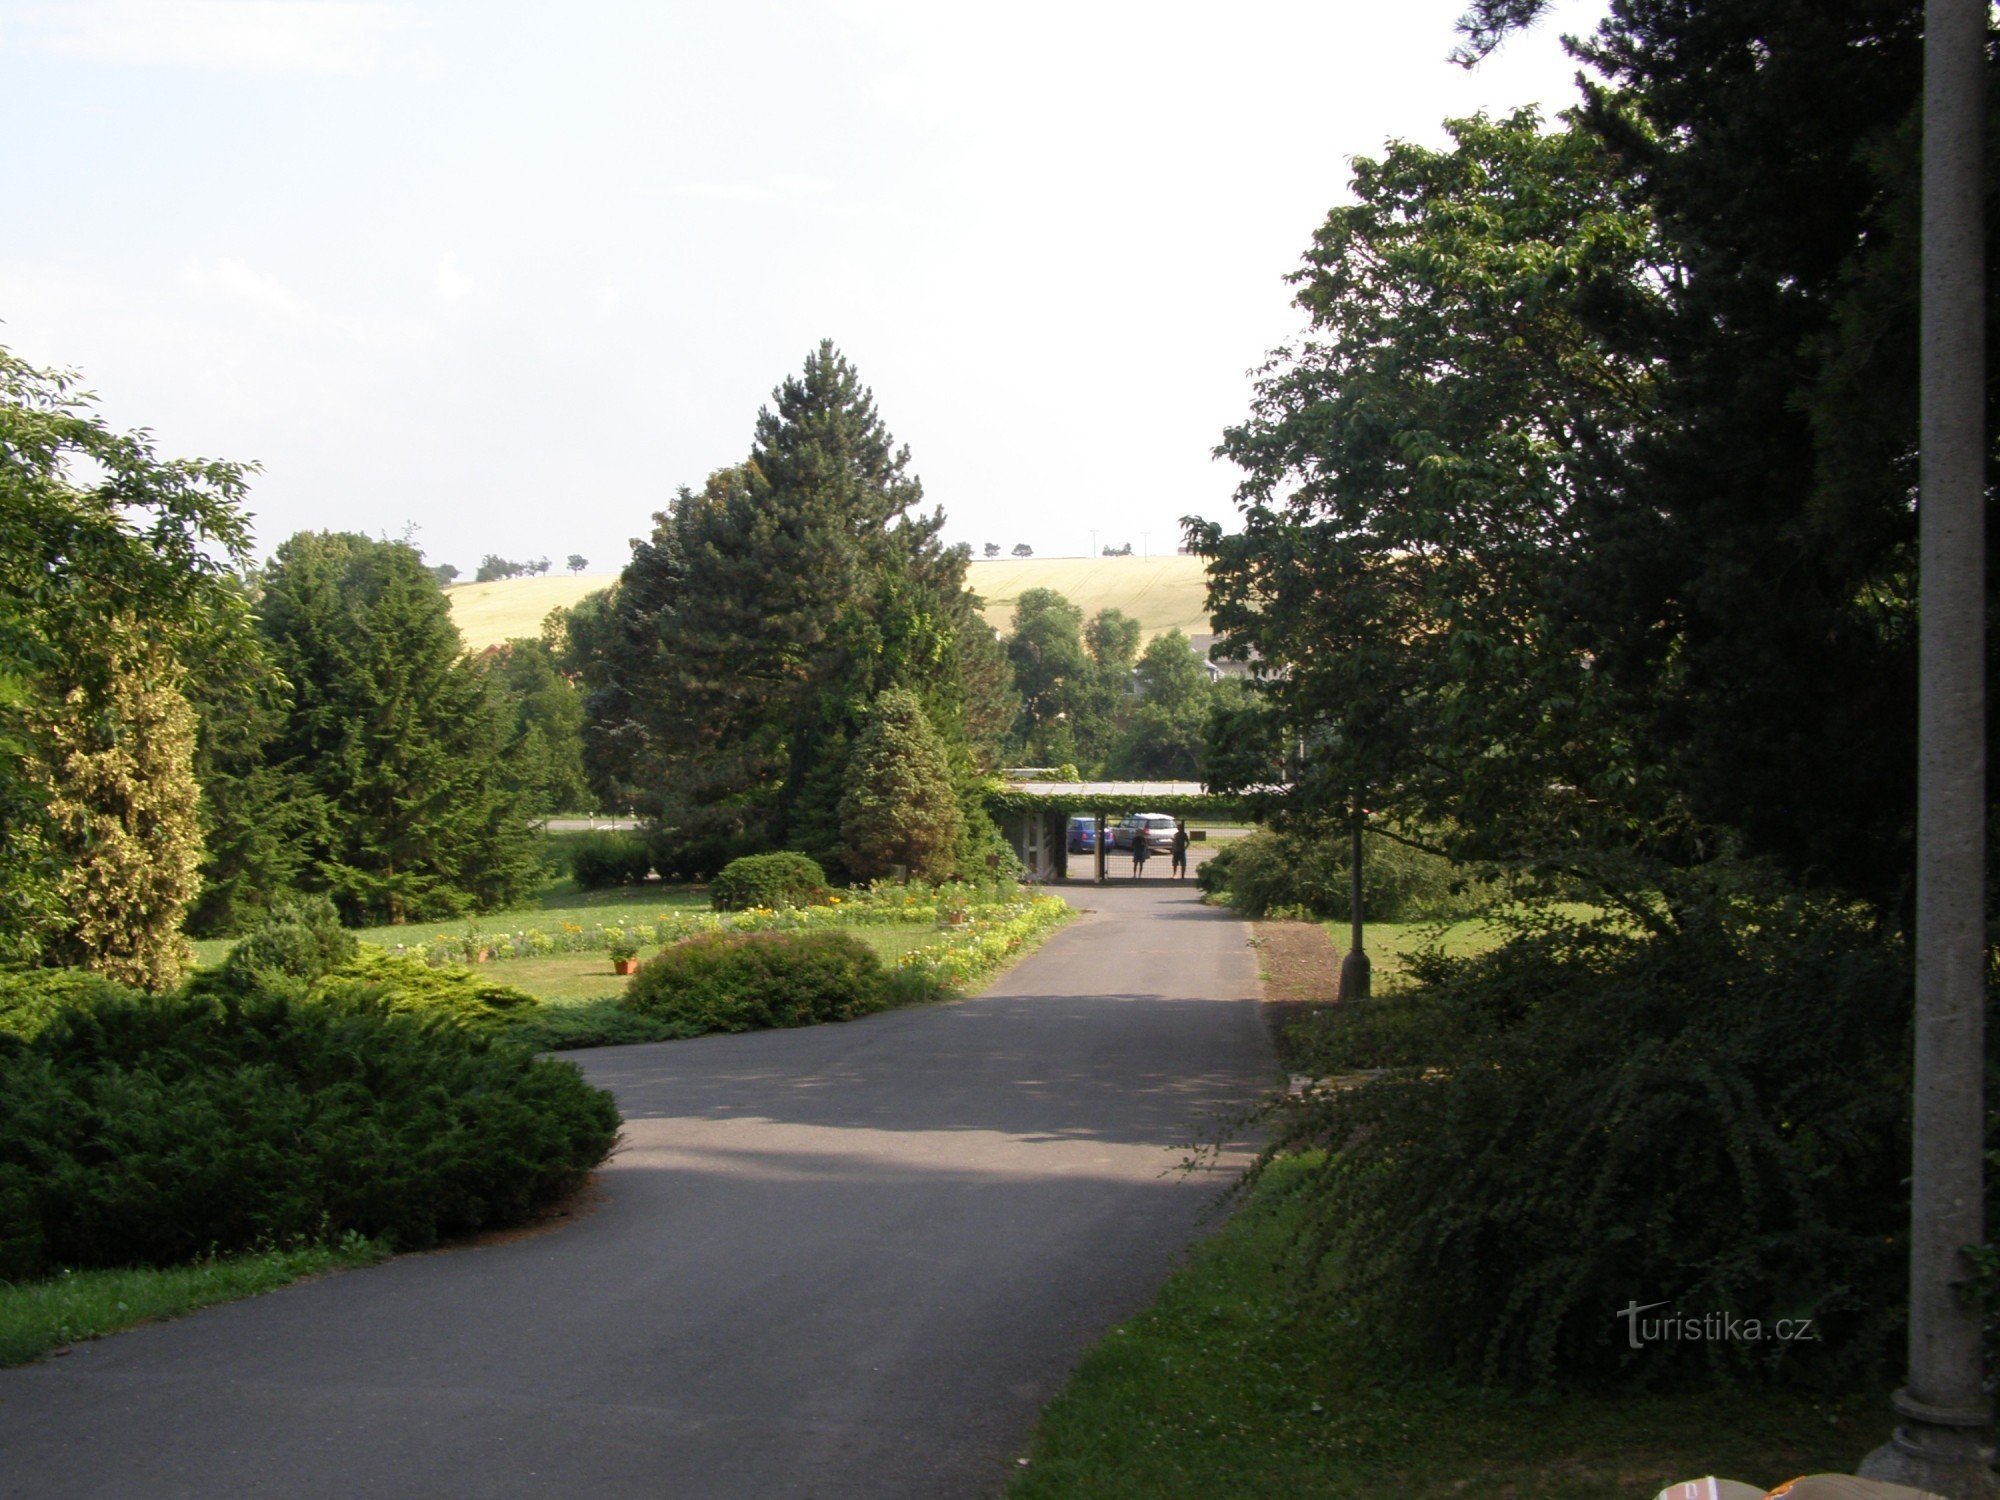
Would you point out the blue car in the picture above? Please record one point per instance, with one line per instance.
(1083, 835)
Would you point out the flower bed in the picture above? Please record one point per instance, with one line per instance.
(880, 904)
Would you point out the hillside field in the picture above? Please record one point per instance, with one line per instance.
(1161, 593)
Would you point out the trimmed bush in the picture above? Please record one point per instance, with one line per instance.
(1711, 1116)
(1304, 873)
(738, 981)
(149, 1131)
(605, 859)
(300, 940)
(772, 880)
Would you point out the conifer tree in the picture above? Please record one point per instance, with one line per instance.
(113, 750)
(900, 808)
(397, 732)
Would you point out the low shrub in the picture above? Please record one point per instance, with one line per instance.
(604, 859)
(1709, 1114)
(737, 981)
(300, 940)
(408, 987)
(593, 1023)
(149, 1131)
(1303, 872)
(770, 880)
(694, 856)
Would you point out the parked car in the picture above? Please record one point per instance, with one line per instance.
(1083, 835)
(1156, 828)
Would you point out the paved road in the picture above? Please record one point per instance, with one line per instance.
(850, 1261)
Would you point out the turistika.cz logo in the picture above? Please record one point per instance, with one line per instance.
(1688, 1328)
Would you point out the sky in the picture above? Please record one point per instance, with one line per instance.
(503, 276)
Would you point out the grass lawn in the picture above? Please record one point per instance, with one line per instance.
(1225, 1387)
(38, 1316)
(561, 902)
(1390, 944)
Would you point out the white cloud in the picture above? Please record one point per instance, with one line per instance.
(261, 36)
(609, 295)
(452, 284)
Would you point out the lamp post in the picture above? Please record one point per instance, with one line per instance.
(1942, 1409)
(1355, 968)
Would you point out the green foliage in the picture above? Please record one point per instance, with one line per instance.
(748, 637)
(397, 732)
(113, 756)
(1708, 1113)
(96, 532)
(1306, 872)
(604, 859)
(404, 986)
(301, 940)
(543, 714)
(899, 810)
(152, 1131)
(768, 880)
(730, 981)
(32, 998)
(1416, 475)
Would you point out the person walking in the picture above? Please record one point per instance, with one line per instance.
(1180, 849)
(1141, 847)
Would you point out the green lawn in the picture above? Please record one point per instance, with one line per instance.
(1390, 944)
(37, 1316)
(561, 902)
(1228, 1387)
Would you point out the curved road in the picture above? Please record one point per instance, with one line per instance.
(844, 1261)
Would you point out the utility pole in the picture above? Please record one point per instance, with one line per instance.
(1093, 541)
(1942, 1410)
(1145, 544)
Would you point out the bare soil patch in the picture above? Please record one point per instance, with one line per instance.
(1300, 969)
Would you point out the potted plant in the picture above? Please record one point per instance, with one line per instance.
(624, 956)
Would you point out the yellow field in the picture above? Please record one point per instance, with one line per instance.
(488, 613)
(1161, 593)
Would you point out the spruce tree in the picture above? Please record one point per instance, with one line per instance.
(760, 621)
(396, 731)
(900, 807)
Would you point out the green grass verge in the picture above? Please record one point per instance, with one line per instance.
(1228, 1387)
(38, 1316)
(1389, 945)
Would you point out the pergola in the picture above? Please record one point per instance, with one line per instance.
(1034, 813)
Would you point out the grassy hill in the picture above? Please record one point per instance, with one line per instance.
(488, 613)
(1161, 593)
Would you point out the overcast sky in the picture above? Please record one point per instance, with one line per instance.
(510, 273)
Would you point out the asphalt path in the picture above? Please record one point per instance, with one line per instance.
(844, 1261)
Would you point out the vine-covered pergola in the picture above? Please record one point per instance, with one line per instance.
(1034, 814)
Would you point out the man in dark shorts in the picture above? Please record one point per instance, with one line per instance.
(1180, 849)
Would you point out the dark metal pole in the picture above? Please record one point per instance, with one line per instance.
(1354, 969)
(1943, 1408)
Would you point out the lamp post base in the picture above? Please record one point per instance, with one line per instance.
(1354, 975)
(1937, 1451)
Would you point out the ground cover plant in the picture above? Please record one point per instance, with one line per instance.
(152, 1130)
(1229, 1387)
(740, 981)
(1707, 1111)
